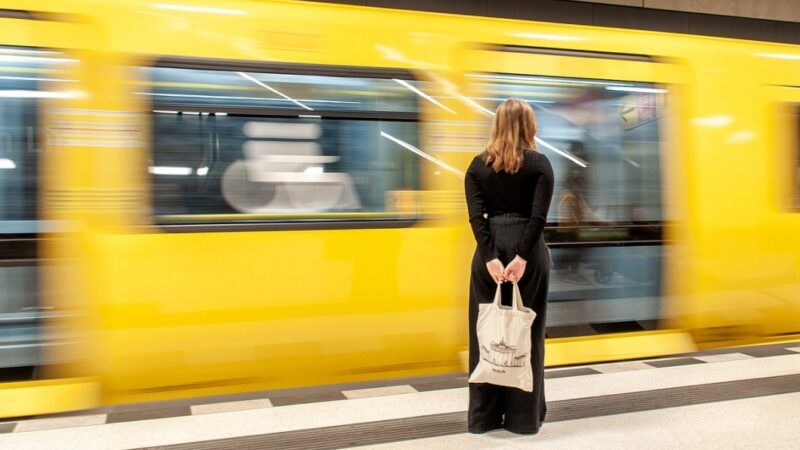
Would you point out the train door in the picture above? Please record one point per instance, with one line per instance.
(604, 121)
(747, 270)
(32, 78)
(780, 309)
(21, 75)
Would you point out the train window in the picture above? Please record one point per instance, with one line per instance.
(26, 75)
(603, 140)
(22, 71)
(269, 146)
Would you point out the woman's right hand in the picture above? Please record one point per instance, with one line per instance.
(496, 269)
(515, 269)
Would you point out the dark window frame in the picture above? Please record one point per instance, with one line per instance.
(178, 62)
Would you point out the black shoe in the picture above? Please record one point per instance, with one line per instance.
(484, 430)
(522, 431)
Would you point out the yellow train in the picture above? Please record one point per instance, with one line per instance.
(207, 197)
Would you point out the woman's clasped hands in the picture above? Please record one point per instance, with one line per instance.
(513, 272)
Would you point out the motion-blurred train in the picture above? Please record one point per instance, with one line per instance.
(208, 197)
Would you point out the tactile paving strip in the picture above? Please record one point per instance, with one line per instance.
(395, 430)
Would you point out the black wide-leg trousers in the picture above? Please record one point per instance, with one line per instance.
(492, 406)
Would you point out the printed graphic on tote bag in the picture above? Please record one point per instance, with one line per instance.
(502, 355)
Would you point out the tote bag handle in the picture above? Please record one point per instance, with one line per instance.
(516, 298)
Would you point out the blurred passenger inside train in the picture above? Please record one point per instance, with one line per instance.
(574, 212)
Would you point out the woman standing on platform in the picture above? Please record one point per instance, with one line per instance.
(508, 188)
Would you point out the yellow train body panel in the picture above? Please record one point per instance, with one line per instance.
(165, 314)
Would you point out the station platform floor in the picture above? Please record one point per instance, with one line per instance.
(746, 397)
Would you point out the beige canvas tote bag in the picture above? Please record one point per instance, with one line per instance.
(504, 338)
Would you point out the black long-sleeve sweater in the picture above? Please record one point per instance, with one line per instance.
(527, 193)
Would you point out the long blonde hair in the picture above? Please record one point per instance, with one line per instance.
(513, 131)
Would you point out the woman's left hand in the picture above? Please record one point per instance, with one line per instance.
(515, 269)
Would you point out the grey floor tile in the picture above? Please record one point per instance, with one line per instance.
(130, 416)
(307, 398)
(674, 362)
(562, 373)
(761, 352)
(454, 383)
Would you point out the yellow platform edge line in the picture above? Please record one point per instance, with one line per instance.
(619, 346)
(28, 398)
